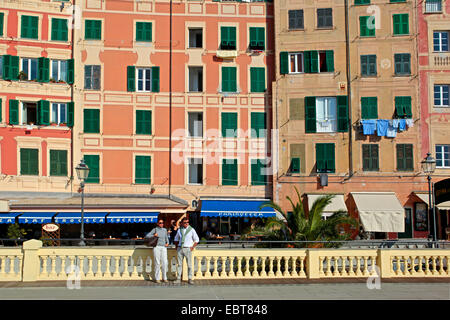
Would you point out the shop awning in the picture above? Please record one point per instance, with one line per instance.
(235, 209)
(75, 217)
(8, 217)
(132, 217)
(337, 203)
(36, 217)
(424, 197)
(380, 211)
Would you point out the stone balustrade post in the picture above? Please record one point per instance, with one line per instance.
(31, 263)
(313, 263)
(384, 263)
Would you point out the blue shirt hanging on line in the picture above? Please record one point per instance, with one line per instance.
(402, 125)
(382, 126)
(369, 126)
(391, 130)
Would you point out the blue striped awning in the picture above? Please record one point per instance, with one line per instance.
(75, 217)
(235, 209)
(132, 217)
(36, 217)
(8, 217)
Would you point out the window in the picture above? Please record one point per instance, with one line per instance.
(93, 163)
(195, 79)
(368, 65)
(325, 158)
(326, 114)
(258, 124)
(143, 79)
(295, 19)
(370, 157)
(324, 18)
(401, 23)
(29, 162)
(195, 124)
(359, 2)
(2, 17)
(58, 163)
(195, 171)
(229, 124)
(257, 38)
(402, 63)
(441, 95)
(143, 122)
(443, 156)
(433, 6)
(29, 113)
(295, 165)
(367, 26)
(93, 30)
(30, 69)
(229, 172)
(195, 38)
(295, 62)
(228, 38)
(258, 172)
(405, 157)
(403, 107)
(92, 77)
(59, 113)
(91, 120)
(29, 27)
(59, 70)
(144, 31)
(229, 83)
(142, 173)
(59, 30)
(440, 41)
(257, 80)
(369, 108)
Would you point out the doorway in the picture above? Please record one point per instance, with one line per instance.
(408, 234)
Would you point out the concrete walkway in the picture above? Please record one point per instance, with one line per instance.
(289, 290)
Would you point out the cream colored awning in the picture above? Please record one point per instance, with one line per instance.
(337, 203)
(380, 211)
(424, 197)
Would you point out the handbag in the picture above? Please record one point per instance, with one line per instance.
(151, 241)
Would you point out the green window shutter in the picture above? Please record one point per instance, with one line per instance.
(155, 79)
(59, 30)
(330, 60)
(369, 108)
(258, 124)
(13, 111)
(405, 159)
(257, 80)
(325, 158)
(330, 157)
(407, 106)
(144, 31)
(257, 38)
(405, 24)
(253, 38)
(228, 38)
(400, 157)
(400, 23)
(229, 124)
(396, 23)
(10, 67)
(258, 177)
(93, 30)
(261, 38)
(365, 31)
(342, 113)
(320, 157)
(58, 163)
(143, 122)
(229, 172)
(307, 61)
(43, 112)
(142, 170)
(284, 62)
(91, 120)
(310, 114)
(70, 114)
(370, 157)
(93, 163)
(70, 71)
(43, 69)
(314, 61)
(229, 83)
(29, 162)
(14, 67)
(295, 165)
(6, 69)
(131, 78)
(2, 16)
(403, 107)
(1, 105)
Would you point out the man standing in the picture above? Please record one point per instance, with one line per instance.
(160, 251)
(185, 242)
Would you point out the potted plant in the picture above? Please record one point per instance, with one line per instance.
(52, 80)
(15, 232)
(22, 76)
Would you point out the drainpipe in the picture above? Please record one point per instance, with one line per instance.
(170, 103)
(349, 95)
(71, 96)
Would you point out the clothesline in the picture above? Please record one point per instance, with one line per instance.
(386, 128)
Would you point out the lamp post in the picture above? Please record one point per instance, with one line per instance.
(82, 173)
(428, 167)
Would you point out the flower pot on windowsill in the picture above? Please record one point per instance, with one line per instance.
(63, 124)
(61, 81)
(52, 80)
(22, 76)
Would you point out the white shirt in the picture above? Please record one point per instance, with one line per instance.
(189, 238)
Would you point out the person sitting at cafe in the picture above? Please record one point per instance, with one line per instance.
(210, 235)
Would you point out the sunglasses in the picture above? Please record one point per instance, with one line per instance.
(160, 222)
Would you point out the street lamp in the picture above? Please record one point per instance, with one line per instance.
(82, 173)
(428, 167)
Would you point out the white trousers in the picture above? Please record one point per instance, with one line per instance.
(160, 255)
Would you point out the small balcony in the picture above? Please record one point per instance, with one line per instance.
(442, 59)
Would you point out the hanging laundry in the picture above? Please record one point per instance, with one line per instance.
(402, 125)
(391, 130)
(395, 123)
(382, 126)
(410, 123)
(369, 126)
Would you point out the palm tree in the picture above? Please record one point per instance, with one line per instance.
(301, 227)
